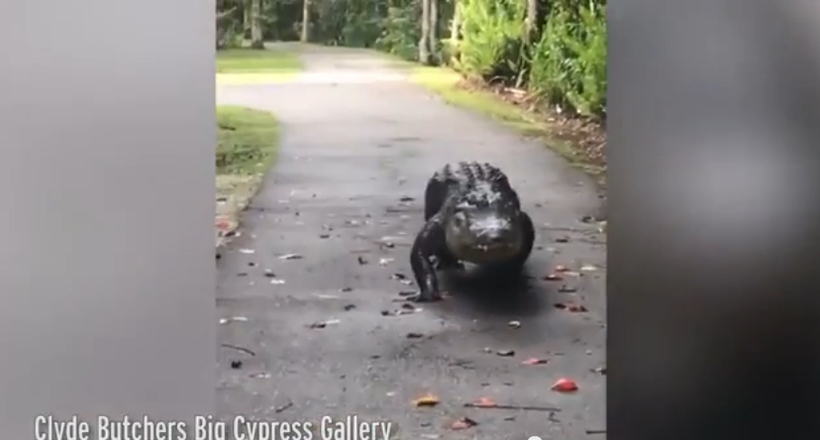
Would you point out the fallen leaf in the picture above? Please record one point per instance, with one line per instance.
(571, 307)
(564, 385)
(534, 361)
(484, 402)
(291, 257)
(323, 324)
(426, 400)
(553, 277)
(463, 423)
(235, 318)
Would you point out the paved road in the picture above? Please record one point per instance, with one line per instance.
(358, 139)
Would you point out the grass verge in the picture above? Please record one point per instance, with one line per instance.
(247, 142)
(250, 66)
(571, 138)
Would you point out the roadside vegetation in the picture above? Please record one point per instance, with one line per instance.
(245, 65)
(247, 142)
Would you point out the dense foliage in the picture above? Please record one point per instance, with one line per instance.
(554, 48)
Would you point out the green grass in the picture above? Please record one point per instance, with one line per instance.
(247, 140)
(255, 66)
(444, 82)
(247, 143)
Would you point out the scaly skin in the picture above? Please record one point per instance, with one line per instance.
(472, 214)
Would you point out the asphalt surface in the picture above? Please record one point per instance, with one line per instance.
(358, 142)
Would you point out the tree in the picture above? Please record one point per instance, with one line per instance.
(305, 20)
(257, 41)
(424, 40)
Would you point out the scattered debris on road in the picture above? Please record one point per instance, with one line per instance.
(571, 307)
(600, 370)
(514, 324)
(281, 408)
(291, 257)
(232, 319)
(323, 324)
(562, 240)
(535, 361)
(553, 277)
(386, 261)
(269, 273)
(247, 251)
(413, 335)
(362, 260)
(406, 199)
(236, 365)
(349, 307)
(426, 400)
(561, 268)
(567, 289)
(505, 353)
(485, 403)
(588, 268)
(277, 281)
(236, 347)
(463, 423)
(564, 385)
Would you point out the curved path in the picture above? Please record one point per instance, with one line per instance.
(358, 142)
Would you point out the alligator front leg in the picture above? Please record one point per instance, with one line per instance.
(425, 249)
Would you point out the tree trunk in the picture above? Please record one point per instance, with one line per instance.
(432, 40)
(530, 21)
(246, 19)
(424, 41)
(455, 33)
(257, 41)
(305, 20)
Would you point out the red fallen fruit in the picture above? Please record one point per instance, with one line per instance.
(485, 402)
(564, 385)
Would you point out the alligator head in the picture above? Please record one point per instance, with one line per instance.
(483, 234)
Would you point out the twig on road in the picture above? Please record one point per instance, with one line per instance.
(243, 349)
(279, 409)
(515, 407)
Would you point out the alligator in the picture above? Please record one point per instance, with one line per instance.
(472, 215)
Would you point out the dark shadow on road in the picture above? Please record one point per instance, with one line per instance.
(491, 294)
